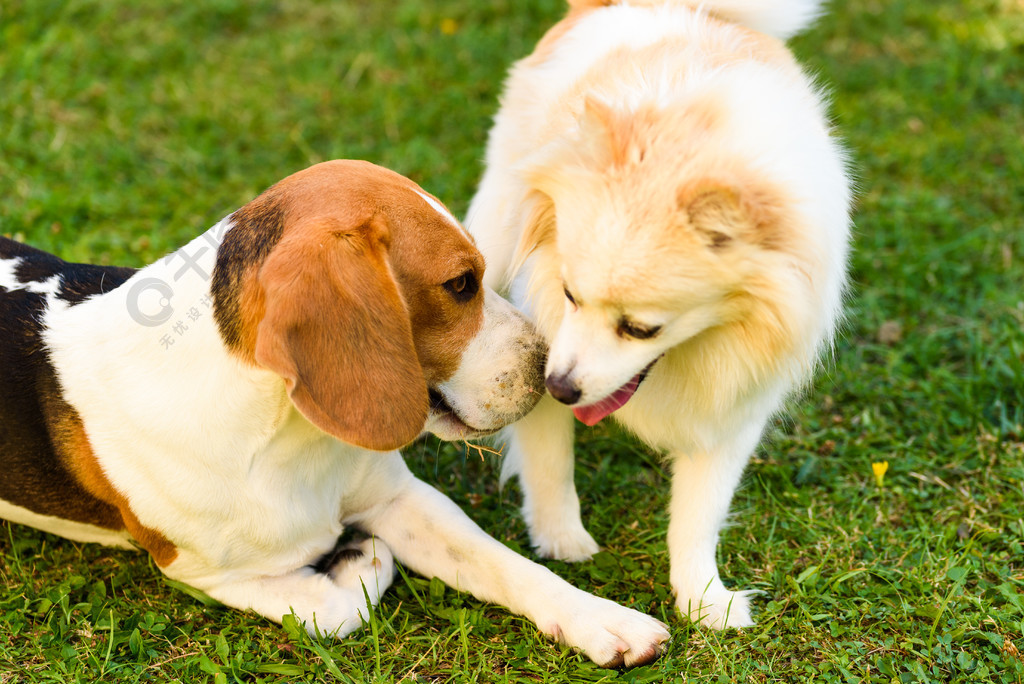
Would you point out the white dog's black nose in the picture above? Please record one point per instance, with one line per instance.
(562, 388)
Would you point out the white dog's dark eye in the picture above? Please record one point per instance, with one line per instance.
(628, 328)
(568, 295)
(462, 287)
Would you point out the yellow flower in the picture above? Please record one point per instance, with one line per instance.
(879, 468)
(449, 26)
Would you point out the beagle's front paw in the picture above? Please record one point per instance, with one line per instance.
(356, 572)
(609, 634)
(367, 563)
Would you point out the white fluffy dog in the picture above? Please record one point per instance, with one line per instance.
(664, 196)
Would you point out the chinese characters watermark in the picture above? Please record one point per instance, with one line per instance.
(151, 300)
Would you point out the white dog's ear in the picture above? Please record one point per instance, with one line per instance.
(609, 137)
(538, 229)
(601, 140)
(604, 138)
(563, 167)
(337, 330)
(600, 128)
(715, 213)
(725, 212)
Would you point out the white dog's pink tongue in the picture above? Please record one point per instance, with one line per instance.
(592, 415)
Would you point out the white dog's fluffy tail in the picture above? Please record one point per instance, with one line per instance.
(779, 18)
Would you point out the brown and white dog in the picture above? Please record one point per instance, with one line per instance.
(234, 406)
(665, 197)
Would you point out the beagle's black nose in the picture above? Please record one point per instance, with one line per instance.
(562, 388)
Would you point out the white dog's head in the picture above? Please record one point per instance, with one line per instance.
(651, 228)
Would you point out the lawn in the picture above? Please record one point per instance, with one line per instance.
(126, 128)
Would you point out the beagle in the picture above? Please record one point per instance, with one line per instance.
(233, 407)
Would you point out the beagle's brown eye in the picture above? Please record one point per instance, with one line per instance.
(462, 287)
(636, 331)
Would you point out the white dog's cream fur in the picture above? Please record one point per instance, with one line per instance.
(663, 194)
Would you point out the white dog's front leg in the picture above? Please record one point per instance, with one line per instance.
(702, 488)
(332, 602)
(540, 452)
(430, 534)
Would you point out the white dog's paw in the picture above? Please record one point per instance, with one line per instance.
(718, 608)
(565, 542)
(609, 634)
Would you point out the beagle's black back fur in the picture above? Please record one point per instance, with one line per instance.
(35, 475)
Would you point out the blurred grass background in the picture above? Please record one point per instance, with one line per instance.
(127, 128)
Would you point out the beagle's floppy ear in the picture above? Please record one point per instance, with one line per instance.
(337, 330)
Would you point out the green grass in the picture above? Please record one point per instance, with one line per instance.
(126, 128)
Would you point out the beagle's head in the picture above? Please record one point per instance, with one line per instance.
(365, 295)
